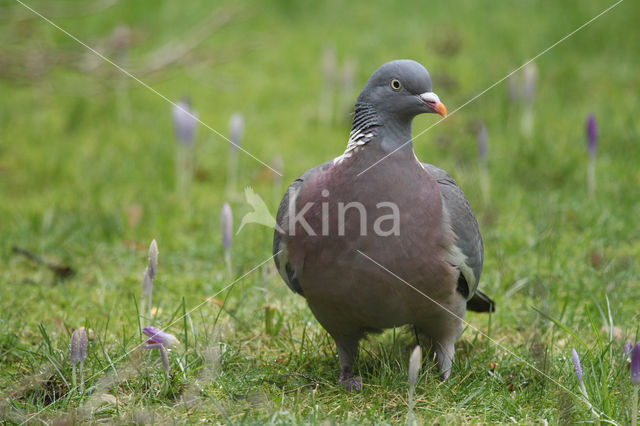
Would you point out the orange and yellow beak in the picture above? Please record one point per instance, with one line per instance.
(433, 102)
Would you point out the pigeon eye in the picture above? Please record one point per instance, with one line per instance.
(395, 84)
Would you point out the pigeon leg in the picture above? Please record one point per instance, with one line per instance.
(347, 350)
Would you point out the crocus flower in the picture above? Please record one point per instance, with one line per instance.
(78, 353)
(635, 365)
(530, 78)
(627, 349)
(529, 82)
(160, 340)
(483, 150)
(483, 147)
(576, 364)
(226, 221)
(578, 368)
(159, 337)
(78, 346)
(184, 129)
(236, 129)
(147, 280)
(184, 122)
(592, 134)
(591, 130)
(635, 379)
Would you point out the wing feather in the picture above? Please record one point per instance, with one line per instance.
(280, 246)
(465, 226)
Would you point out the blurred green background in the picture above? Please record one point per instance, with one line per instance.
(88, 179)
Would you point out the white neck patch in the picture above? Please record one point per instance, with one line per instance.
(357, 140)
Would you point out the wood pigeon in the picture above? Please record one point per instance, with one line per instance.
(376, 239)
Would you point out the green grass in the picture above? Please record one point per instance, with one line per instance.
(79, 148)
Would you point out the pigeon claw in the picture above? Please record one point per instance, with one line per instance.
(351, 383)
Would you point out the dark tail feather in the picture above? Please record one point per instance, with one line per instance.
(480, 302)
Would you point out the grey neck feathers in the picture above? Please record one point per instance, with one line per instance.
(367, 125)
(395, 136)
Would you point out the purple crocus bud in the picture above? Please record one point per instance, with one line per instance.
(576, 364)
(159, 338)
(530, 81)
(78, 346)
(184, 122)
(150, 272)
(153, 259)
(74, 347)
(483, 146)
(627, 348)
(147, 280)
(226, 220)
(83, 344)
(78, 353)
(635, 365)
(236, 129)
(592, 134)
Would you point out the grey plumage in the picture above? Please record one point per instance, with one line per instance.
(465, 226)
(356, 281)
(279, 250)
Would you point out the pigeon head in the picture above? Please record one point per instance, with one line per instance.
(401, 89)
